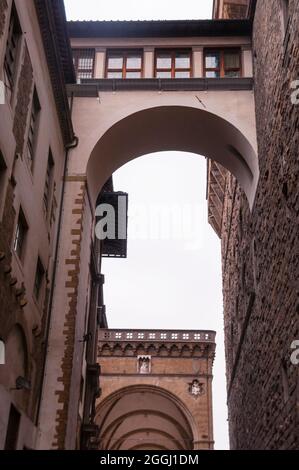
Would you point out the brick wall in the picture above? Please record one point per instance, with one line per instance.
(69, 332)
(260, 253)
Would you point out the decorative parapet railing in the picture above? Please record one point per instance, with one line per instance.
(159, 343)
(161, 336)
(92, 87)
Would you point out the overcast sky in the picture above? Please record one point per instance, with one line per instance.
(138, 9)
(175, 282)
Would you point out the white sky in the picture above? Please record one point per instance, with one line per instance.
(164, 284)
(138, 9)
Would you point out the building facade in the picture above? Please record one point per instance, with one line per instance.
(156, 390)
(81, 100)
(34, 133)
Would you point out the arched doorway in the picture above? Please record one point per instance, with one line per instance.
(179, 128)
(111, 133)
(144, 418)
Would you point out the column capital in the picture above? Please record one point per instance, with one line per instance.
(197, 48)
(100, 49)
(149, 48)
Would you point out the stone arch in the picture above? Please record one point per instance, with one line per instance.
(174, 351)
(140, 350)
(117, 350)
(145, 416)
(129, 350)
(106, 350)
(174, 128)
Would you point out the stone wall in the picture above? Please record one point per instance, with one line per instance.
(23, 101)
(3, 8)
(260, 253)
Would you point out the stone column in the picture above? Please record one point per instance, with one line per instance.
(197, 53)
(148, 64)
(247, 61)
(99, 66)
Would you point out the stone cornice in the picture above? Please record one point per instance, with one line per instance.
(90, 88)
(156, 343)
(52, 22)
(156, 336)
(161, 29)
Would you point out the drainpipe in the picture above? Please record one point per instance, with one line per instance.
(68, 147)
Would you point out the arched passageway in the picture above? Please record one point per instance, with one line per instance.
(112, 131)
(144, 418)
(179, 128)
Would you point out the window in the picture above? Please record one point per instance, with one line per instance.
(39, 277)
(173, 64)
(124, 64)
(84, 62)
(12, 429)
(222, 63)
(33, 126)
(10, 60)
(20, 236)
(48, 182)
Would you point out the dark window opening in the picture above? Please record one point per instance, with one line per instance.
(20, 235)
(3, 168)
(33, 126)
(84, 60)
(12, 429)
(39, 277)
(49, 182)
(173, 64)
(12, 46)
(220, 63)
(124, 64)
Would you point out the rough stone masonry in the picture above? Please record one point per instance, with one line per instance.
(260, 253)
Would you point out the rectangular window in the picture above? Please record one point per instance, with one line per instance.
(84, 60)
(124, 64)
(220, 63)
(48, 182)
(39, 277)
(20, 236)
(10, 60)
(12, 429)
(33, 126)
(173, 64)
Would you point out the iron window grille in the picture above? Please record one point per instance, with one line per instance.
(84, 60)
